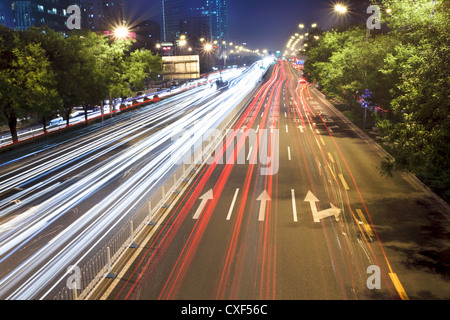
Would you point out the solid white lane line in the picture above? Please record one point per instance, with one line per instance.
(232, 204)
(249, 153)
(294, 207)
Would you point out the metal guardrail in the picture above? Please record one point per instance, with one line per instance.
(100, 266)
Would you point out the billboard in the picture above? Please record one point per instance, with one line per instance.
(181, 67)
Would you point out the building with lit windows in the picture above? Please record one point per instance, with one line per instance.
(174, 13)
(218, 17)
(180, 15)
(22, 14)
(95, 14)
(6, 17)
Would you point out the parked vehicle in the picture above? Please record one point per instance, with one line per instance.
(56, 121)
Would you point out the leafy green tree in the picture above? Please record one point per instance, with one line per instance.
(66, 60)
(27, 83)
(142, 65)
(418, 127)
(110, 62)
(407, 69)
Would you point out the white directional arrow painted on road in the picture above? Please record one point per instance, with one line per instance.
(271, 128)
(207, 196)
(318, 215)
(263, 197)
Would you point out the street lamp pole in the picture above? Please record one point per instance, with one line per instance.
(343, 10)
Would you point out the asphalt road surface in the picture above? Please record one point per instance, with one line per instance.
(62, 198)
(300, 212)
(290, 205)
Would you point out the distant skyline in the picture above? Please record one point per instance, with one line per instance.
(262, 24)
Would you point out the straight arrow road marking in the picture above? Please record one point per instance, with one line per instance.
(311, 198)
(263, 197)
(301, 128)
(232, 204)
(207, 196)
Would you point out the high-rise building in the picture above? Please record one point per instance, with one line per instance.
(6, 17)
(95, 14)
(218, 17)
(27, 13)
(114, 10)
(174, 13)
(92, 13)
(148, 34)
(177, 14)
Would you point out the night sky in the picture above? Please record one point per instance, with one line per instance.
(262, 24)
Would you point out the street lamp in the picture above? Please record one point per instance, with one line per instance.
(121, 32)
(208, 47)
(340, 8)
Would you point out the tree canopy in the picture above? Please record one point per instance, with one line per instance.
(406, 68)
(44, 73)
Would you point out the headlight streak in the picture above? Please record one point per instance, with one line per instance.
(115, 207)
(75, 193)
(87, 147)
(96, 142)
